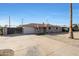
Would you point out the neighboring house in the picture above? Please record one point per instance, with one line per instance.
(78, 26)
(40, 28)
(75, 27)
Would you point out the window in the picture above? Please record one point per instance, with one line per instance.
(56, 27)
(49, 28)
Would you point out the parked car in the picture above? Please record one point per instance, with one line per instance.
(65, 29)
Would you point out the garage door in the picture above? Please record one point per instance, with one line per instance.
(28, 30)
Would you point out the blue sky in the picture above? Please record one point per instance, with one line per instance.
(37, 13)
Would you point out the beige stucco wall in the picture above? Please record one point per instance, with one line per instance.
(29, 30)
(53, 29)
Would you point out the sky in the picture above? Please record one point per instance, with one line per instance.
(52, 13)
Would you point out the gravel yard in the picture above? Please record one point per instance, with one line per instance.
(41, 45)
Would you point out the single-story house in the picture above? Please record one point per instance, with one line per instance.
(34, 28)
(75, 27)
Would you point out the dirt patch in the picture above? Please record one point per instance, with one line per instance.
(6, 52)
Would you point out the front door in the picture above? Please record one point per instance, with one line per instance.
(44, 30)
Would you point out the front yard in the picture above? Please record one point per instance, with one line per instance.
(41, 45)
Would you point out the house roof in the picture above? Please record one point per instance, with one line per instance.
(35, 25)
(38, 25)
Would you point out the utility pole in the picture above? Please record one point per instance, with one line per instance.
(9, 21)
(22, 21)
(70, 30)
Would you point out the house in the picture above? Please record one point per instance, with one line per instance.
(78, 26)
(34, 28)
(75, 27)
